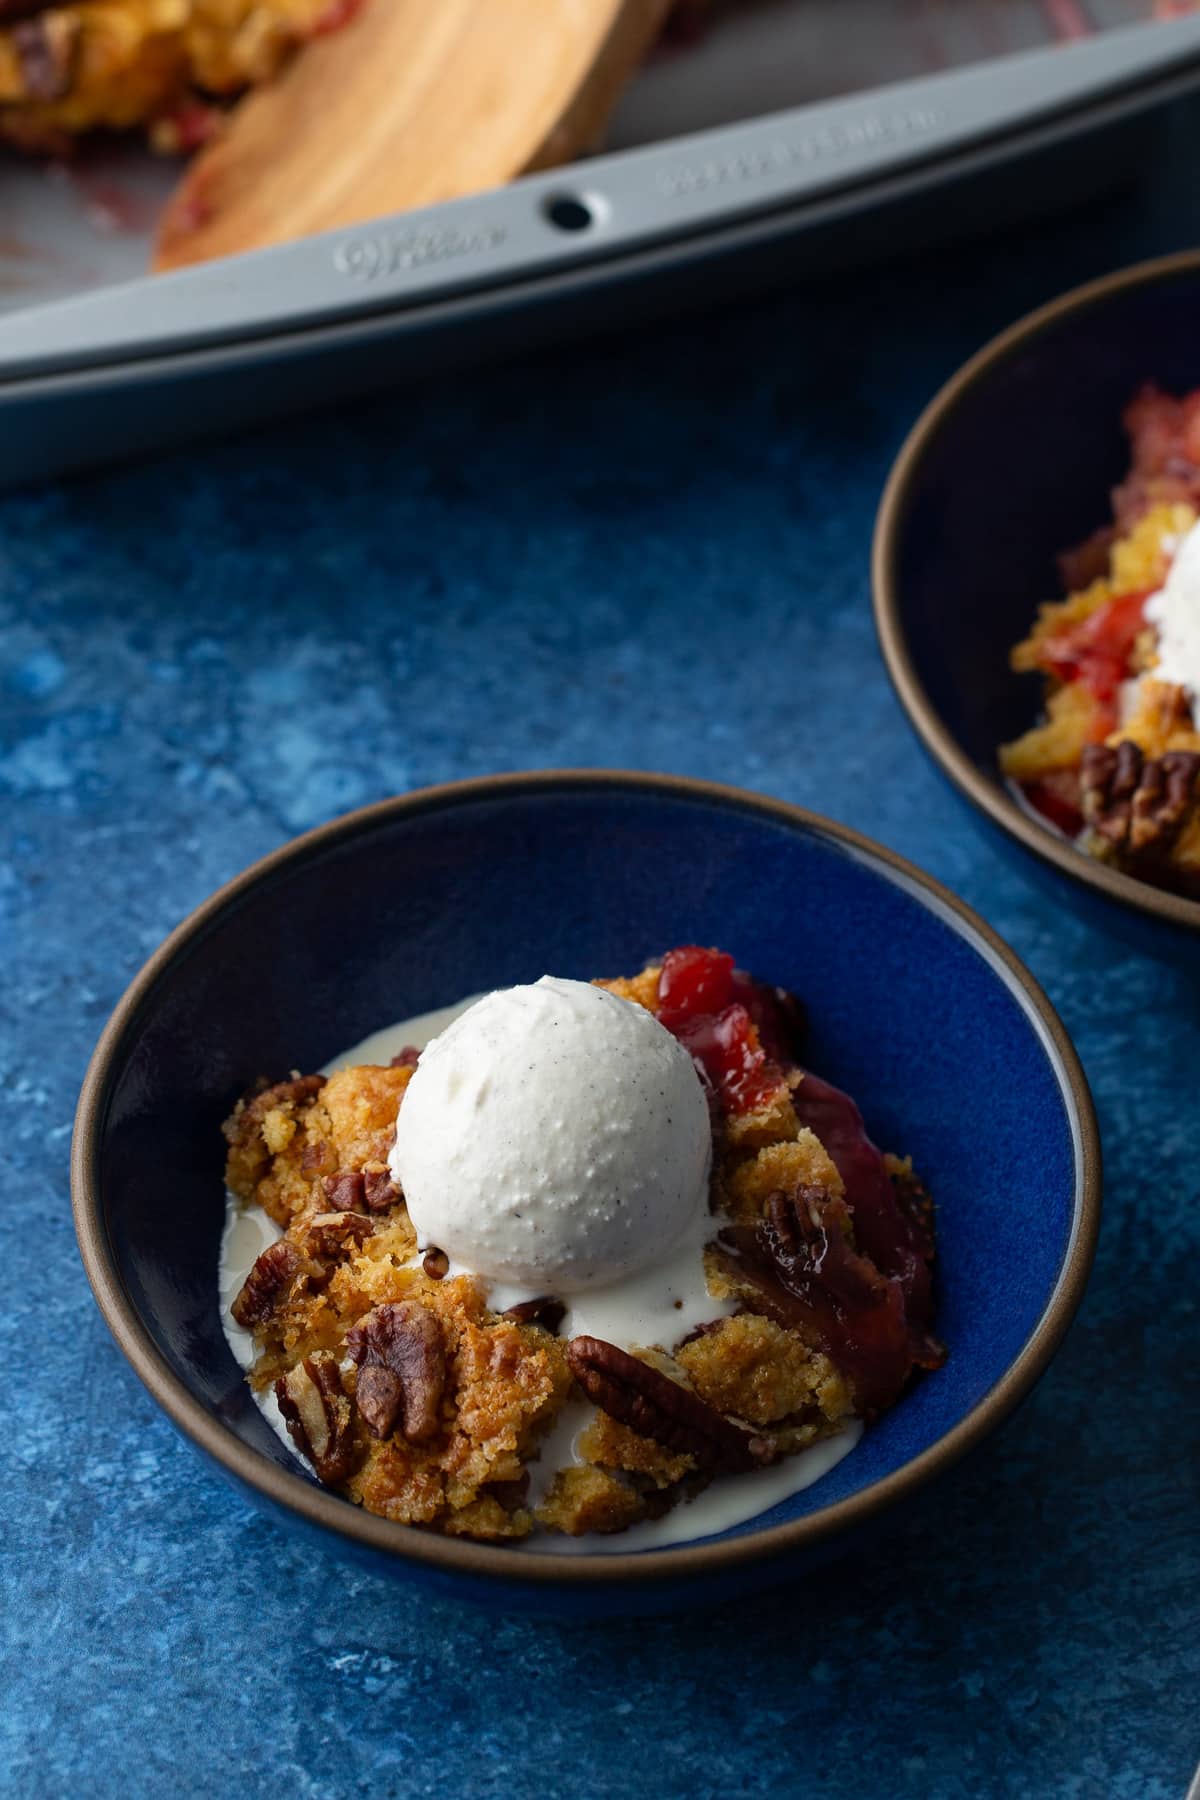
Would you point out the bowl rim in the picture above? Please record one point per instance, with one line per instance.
(986, 794)
(497, 1564)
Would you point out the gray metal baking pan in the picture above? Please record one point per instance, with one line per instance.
(122, 367)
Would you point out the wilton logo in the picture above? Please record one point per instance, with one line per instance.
(387, 253)
(788, 153)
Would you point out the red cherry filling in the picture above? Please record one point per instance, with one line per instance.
(711, 1007)
(868, 1303)
(893, 1224)
(1097, 650)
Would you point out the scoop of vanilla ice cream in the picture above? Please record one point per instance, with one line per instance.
(554, 1136)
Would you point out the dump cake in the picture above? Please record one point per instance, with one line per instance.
(1115, 761)
(597, 1249)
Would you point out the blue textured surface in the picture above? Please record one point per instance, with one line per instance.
(648, 552)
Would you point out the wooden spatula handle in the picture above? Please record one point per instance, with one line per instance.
(411, 102)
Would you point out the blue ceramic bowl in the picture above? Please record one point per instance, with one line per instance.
(916, 1008)
(1012, 462)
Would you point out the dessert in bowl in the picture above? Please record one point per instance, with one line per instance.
(1081, 407)
(595, 1251)
(1114, 762)
(913, 1007)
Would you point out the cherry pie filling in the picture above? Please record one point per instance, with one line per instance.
(852, 1273)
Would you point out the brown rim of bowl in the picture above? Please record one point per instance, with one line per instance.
(985, 793)
(318, 1507)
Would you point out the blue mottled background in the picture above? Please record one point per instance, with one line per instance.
(650, 552)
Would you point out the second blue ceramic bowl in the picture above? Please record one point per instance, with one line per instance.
(1012, 462)
(916, 1007)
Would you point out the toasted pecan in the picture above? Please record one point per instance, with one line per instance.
(379, 1190)
(359, 1190)
(345, 1191)
(266, 1285)
(401, 1360)
(653, 1405)
(1137, 803)
(328, 1234)
(318, 1414)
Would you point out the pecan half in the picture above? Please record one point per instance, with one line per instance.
(379, 1190)
(653, 1405)
(266, 1284)
(352, 1190)
(543, 1311)
(401, 1360)
(45, 48)
(327, 1234)
(318, 1414)
(1135, 803)
(1162, 799)
(346, 1191)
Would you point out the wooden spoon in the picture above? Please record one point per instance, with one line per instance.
(410, 102)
